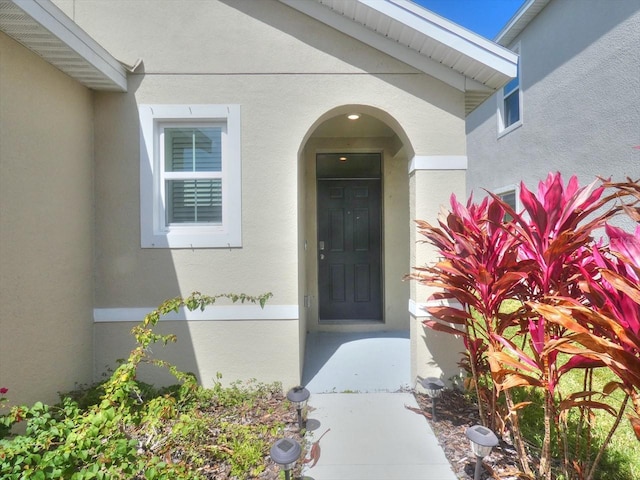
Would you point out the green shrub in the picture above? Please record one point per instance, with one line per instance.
(125, 429)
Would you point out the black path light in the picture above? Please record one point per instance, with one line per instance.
(285, 452)
(434, 387)
(482, 442)
(299, 396)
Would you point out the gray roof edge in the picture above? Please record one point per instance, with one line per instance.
(519, 21)
(55, 21)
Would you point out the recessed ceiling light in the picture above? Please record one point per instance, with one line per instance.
(353, 116)
(343, 159)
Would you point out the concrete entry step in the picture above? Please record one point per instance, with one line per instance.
(373, 436)
(357, 362)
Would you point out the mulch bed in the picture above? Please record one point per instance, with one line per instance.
(454, 414)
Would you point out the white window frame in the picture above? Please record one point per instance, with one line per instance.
(502, 129)
(510, 189)
(154, 232)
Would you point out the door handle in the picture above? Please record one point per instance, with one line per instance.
(322, 256)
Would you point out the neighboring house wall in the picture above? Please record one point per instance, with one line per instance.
(580, 80)
(46, 227)
(287, 72)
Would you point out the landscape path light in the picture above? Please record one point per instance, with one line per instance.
(434, 387)
(285, 452)
(482, 442)
(299, 396)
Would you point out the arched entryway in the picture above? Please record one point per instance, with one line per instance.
(355, 231)
(352, 166)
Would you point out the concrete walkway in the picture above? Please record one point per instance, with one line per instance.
(373, 436)
(359, 386)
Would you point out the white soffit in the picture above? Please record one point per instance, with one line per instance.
(43, 28)
(422, 39)
(519, 21)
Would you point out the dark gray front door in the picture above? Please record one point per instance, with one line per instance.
(349, 249)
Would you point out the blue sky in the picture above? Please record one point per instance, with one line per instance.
(485, 17)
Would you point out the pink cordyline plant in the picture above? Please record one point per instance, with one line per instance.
(479, 271)
(554, 236)
(608, 327)
(540, 252)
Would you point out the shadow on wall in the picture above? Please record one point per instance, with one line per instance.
(573, 24)
(444, 351)
(130, 281)
(358, 55)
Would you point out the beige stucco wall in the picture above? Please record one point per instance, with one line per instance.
(207, 348)
(433, 353)
(286, 71)
(46, 227)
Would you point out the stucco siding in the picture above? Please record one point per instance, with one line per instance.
(276, 113)
(223, 36)
(276, 110)
(580, 78)
(286, 71)
(432, 353)
(46, 227)
(268, 351)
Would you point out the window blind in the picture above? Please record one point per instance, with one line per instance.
(198, 151)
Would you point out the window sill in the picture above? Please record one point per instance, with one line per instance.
(191, 240)
(510, 129)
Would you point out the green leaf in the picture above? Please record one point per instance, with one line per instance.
(151, 474)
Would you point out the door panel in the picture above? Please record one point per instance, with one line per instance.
(349, 256)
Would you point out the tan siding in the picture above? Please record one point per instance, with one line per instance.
(46, 227)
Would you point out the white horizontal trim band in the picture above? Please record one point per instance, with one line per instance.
(438, 162)
(215, 312)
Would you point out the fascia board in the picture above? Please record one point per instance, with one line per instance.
(519, 21)
(363, 34)
(449, 34)
(62, 27)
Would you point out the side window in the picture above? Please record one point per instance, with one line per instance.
(510, 196)
(510, 102)
(190, 185)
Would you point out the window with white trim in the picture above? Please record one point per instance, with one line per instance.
(190, 176)
(510, 103)
(509, 195)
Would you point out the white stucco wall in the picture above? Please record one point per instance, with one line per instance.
(46, 227)
(580, 77)
(286, 71)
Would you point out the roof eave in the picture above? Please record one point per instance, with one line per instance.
(450, 34)
(43, 28)
(525, 14)
(470, 63)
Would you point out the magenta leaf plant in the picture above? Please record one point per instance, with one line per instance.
(493, 256)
